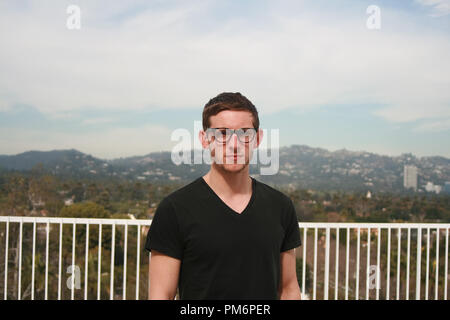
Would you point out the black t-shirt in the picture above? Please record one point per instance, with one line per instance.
(225, 254)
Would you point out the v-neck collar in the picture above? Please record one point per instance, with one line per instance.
(227, 206)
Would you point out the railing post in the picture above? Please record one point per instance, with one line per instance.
(6, 259)
(19, 282)
(304, 260)
(347, 255)
(72, 293)
(436, 284)
(86, 263)
(60, 259)
(327, 263)
(46, 259)
(336, 273)
(125, 263)
(315, 263)
(113, 245)
(446, 264)
(138, 256)
(368, 264)
(407, 262)
(357, 263)
(388, 268)
(399, 244)
(33, 258)
(99, 260)
(418, 266)
(148, 282)
(378, 265)
(427, 268)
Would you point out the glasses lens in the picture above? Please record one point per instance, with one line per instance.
(210, 134)
(222, 135)
(246, 135)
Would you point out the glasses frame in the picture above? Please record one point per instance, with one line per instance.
(228, 135)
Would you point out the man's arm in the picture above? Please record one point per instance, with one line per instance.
(289, 288)
(163, 274)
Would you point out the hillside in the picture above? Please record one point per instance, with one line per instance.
(299, 166)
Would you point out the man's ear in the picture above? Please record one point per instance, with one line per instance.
(202, 138)
(259, 137)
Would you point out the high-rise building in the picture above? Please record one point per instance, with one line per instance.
(410, 177)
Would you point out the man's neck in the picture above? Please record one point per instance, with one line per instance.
(229, 184)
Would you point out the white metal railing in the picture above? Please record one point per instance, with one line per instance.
(74, 265)
(377, 276)
(341, 264)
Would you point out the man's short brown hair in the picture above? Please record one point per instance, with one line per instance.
(228, 101)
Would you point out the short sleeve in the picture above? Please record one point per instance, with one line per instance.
(292, 233)
(164, 233)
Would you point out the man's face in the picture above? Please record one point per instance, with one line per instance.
(233, 155)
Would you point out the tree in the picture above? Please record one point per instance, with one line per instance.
(85, 210)
(77, 192)
(433, 213)
(17, 194)
(138, 192)
(104, 200)
(92, 191)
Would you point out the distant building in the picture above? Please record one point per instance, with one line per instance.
(430, 187)
(410, 177)
(368, 195)
(446, 188)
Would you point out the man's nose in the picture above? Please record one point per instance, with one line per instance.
(233, 142)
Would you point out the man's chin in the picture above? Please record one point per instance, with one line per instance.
(233, 168)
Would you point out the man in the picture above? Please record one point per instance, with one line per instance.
(225, 235)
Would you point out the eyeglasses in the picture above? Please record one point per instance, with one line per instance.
(223, 135)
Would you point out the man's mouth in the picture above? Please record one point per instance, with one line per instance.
(234, 158)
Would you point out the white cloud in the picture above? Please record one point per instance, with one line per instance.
(95, 121)
(434, 126)
(438, 7)
(164, 58)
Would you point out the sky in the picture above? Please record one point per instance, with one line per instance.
(328, 74)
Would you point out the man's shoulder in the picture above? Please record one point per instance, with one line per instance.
(271, 193)
(186, 192)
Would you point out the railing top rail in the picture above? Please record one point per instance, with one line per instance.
(75, 220)
(324, 225)
(364, 225)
